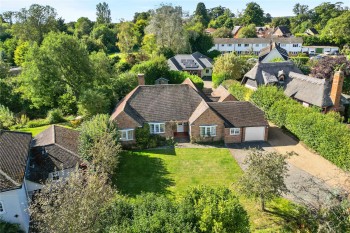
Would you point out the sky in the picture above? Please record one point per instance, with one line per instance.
(71, 10)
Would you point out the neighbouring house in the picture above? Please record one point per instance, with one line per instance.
(235, 31)
(310, 91)
(26, 164)
(292, 45)
(320, 49)
(260, 31)
(173, 110)
(273, 52)
(14, 153)
(282, 31)
(311, 32)
(195, 63)
(54, 153)
(209, 31)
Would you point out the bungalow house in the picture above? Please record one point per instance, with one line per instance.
(54, 153)
(26, 164)
(195, 63)
(310, 91)
(272, 52)
(282, 31)
(14, 152)
(181, 109)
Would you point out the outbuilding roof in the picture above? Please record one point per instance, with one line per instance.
(14, 151)
(194, 61)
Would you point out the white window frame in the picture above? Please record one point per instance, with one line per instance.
(257, 45)
(207, 130)
(2, 207)
(229, 45)
(246, 45)
(295, 45)
(235, 131)
(239, 45)
(127, 138)
(155, 128)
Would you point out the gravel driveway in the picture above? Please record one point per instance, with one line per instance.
(304, 187)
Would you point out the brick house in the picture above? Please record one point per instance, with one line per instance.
(173, 110)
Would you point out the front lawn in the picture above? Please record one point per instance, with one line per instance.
(36, 130)
(173, 171)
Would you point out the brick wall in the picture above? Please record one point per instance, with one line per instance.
(208, 117)
(232, 138)
(124, 121)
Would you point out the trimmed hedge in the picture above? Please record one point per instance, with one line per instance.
(177, 77)
(323, 133)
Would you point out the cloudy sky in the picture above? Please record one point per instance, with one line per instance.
(71, 10)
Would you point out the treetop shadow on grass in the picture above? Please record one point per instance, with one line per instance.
(139, 173)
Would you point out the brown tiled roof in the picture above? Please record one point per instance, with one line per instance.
(159, 103)
(14, 150)
(60, 146)
(239, 113)
(221, 93)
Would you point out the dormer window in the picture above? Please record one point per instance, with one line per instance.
(281, 78)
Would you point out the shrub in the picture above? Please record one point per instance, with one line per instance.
(153, 69)
(302, 60)
(177, 77)
(7, 118)
(239, 92)
(218, 78)
(144, 139)
(55, 116)
(37, 123)
(9, 227)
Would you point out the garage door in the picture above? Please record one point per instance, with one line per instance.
(254, 134)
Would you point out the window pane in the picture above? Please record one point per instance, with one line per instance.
(130, 135)
(151, 126)
(202, 131)
(156, 128)
(213, 131)
(162, 128)
(124, 135)
(1, 207)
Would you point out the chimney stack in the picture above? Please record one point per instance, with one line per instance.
(337, 87)
(141, 79)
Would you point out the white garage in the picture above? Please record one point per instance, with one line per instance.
(254, 134)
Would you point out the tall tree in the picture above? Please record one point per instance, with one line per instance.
(337, 30)
(253, 14)
(34, 23)
(258, 180)
(248, 32)
(167, 25)
(9, 16)
(60, 64)
(103, 13)
(299, 9)
(105, 36)
(201, 14)
(82, 27)
(127, 37)
(73, 204)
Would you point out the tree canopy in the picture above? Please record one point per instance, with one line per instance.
(103, 13)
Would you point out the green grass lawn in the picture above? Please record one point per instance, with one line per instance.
(173, 171)
(35, 131)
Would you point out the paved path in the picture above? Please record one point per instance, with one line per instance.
(304, 188)
(308, 161)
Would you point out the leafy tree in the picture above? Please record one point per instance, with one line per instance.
(337, 29)
(280, 21)
(123, 84)
(167, 25)
(5, 31)
(218, 11)
(60, 64)
(105, 37)
(299, 9)
(92, 130)
(61, 26)
(224, 20)
(7, 50)
(93, 102)
(9, 227)
(264, 177)
(9, 16)
(103, 13)
(7, 118)
(248, 32)
(20, 53)
(149, 44)
(55, 116)
(141, 16)
(268, 18)
(201, 14)
(105, 154)
(152, 69)
(83, 26)
(326, 11)
(200, 42)
(222, 33)
(231, 66)
(34, 23)
(127, 37)
(73, 204)
(253, 14)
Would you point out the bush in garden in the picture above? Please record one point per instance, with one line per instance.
(93, 102)
(55, 116)
(7, 117)
(177, 77)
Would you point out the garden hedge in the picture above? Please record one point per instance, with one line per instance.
(324, 133)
